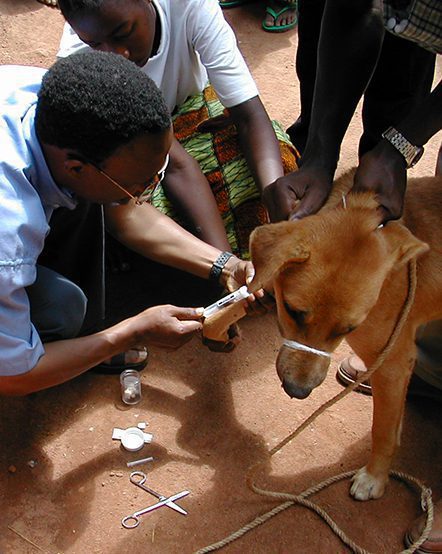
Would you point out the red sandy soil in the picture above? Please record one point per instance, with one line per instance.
(212, 415)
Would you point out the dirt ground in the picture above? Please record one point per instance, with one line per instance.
(212, 415)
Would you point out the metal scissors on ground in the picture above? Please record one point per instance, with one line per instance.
(138, 478)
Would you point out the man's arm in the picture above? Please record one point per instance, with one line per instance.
(154, 235)
(258, 141)
(383, 169)
(425, 121)
(162, 326)
(349, 46)
(189, 191)
(215, 42)
(350, 43)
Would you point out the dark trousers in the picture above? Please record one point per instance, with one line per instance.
(401, 80)
(57, 305)
(74, 248)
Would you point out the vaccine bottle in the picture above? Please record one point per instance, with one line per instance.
(130, 386)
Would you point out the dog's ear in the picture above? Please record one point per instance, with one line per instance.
(272, 247)
(402, 243)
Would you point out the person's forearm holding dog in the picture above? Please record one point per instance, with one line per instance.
(384, 169)
(349, 46)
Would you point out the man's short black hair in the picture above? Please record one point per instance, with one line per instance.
(95, 102)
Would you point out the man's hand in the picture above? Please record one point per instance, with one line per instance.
(383, 171)
(218, 346)
(297, 194)
(239, 273)
(236, 273)
(166, 326)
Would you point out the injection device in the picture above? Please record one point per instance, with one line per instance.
(219, 317)
(231, 298)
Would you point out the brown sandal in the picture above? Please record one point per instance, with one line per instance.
(352, 367)
(350, 370)
(433, 545)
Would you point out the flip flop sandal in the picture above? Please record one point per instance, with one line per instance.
(119, 363)
(50, 3)
(275, 14)
(232, 3)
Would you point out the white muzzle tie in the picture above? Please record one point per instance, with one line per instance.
(294, 345)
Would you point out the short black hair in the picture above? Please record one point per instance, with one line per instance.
(94, 102)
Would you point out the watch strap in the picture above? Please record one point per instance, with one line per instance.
(218, 266)
(411, 153)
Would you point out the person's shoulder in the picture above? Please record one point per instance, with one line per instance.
(189, 7)
(19, 83)
(19, 73)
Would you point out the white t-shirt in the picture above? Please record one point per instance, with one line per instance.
(197, 44)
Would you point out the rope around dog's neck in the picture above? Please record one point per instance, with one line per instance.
(301, 499)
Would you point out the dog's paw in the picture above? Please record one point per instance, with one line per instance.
(366, 486)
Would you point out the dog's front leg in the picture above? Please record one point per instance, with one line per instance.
(389, 386)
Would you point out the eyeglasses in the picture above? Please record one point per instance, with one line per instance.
(149, 189)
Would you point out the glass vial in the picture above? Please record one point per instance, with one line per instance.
(130, 386)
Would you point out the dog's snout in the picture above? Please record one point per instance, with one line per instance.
(293, 390)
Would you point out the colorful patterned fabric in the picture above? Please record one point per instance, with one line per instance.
(222, 162)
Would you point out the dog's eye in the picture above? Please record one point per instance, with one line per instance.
(343, 332)
(298, 316)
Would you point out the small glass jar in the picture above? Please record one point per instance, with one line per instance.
(130, 386)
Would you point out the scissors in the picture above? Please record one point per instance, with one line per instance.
(138, 478)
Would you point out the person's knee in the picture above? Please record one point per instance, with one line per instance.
(68, 317)
(58, 306)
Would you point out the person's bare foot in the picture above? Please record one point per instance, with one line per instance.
(280, 16)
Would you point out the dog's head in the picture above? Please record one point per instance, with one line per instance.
(326, 272)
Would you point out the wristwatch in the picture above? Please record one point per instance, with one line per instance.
(411, 153)
(218, 266)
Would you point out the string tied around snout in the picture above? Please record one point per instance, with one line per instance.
(294, 345)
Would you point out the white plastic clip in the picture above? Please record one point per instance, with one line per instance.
(132, 438)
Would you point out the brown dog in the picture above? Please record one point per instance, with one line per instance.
(338, 274)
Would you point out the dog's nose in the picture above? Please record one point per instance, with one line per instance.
(293, 390)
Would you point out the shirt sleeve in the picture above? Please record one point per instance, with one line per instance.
(215, 42)
(70, 43)
(20, 343)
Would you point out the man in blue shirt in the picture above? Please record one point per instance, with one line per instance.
(92, 127)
